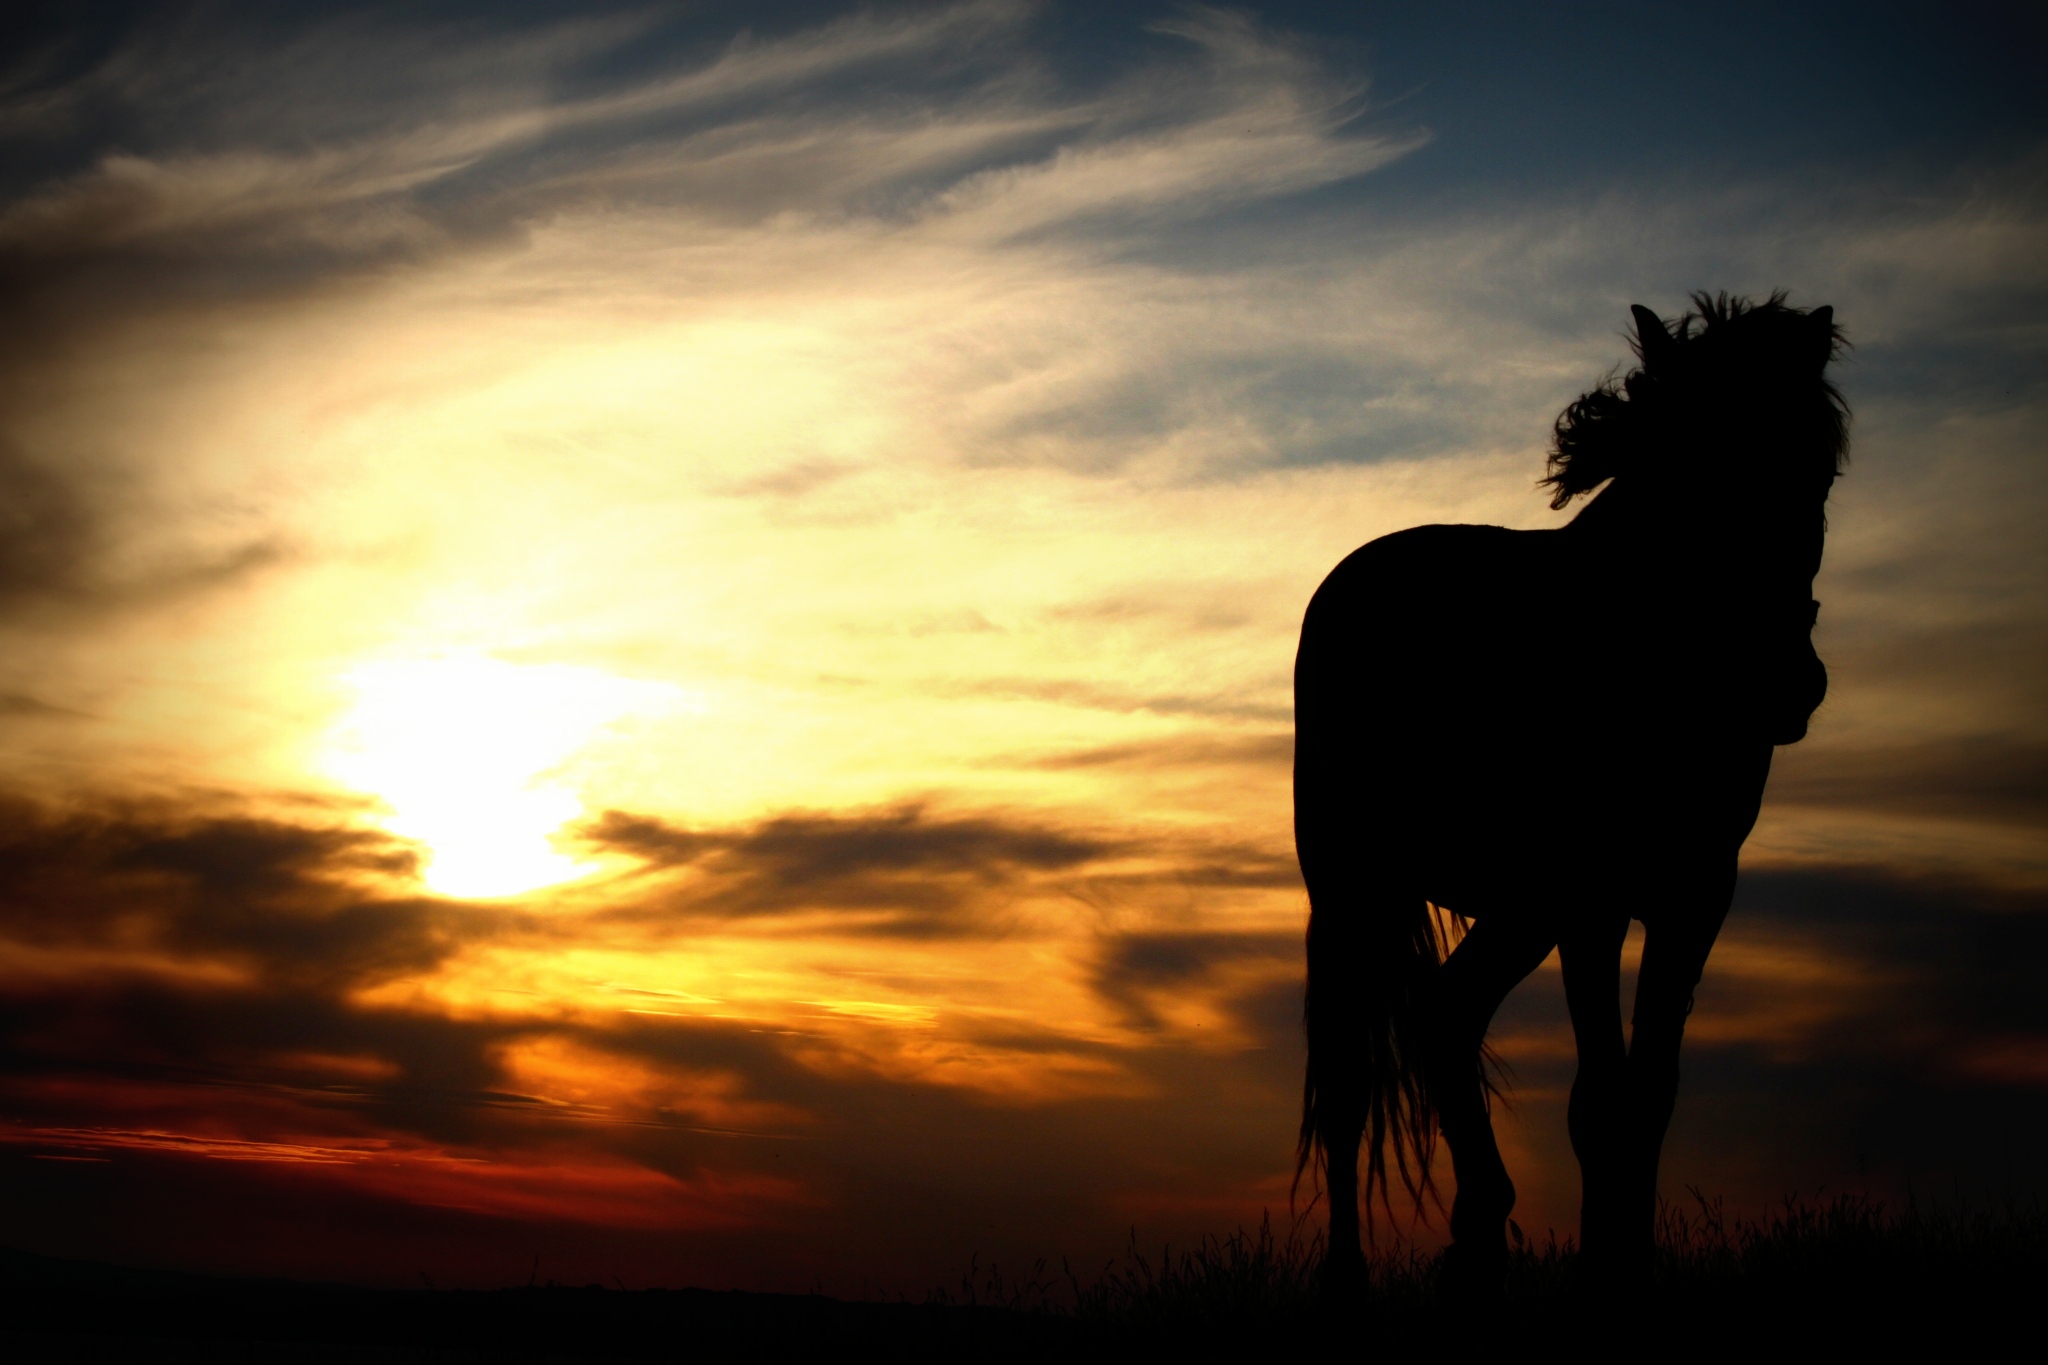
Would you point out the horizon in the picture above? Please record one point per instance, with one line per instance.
(660, 637)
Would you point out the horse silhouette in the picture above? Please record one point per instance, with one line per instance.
(1513, 741)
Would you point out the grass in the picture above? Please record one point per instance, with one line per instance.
(1809, 1276)
(1825, 1272)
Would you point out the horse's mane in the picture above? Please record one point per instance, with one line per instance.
(1725, 341)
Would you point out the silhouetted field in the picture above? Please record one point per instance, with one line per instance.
(1811, 1276)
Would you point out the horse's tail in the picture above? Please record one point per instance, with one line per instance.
(1369, 951)
(1373, 940)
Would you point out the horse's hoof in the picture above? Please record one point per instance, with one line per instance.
(1473, 1273)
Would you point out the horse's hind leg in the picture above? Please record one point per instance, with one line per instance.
(1337, 1061)
(1462, 998)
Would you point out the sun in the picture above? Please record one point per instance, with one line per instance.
(468, 754)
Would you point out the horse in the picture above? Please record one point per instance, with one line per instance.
(1509, 742)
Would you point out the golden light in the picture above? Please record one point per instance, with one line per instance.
(471, 756)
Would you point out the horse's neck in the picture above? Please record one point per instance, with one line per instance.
(1633, 543)
(1625, 518)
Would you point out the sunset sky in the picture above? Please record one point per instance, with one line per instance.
(657, 636)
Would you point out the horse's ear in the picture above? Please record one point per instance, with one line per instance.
(1823, 319)
(1651, 338)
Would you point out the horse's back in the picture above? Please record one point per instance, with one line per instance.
(1421, 558)
(1427, 612)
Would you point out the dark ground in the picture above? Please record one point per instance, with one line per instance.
(1809, 1280)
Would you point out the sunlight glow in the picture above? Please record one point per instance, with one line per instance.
(469, 753)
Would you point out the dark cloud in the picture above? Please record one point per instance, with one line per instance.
(155, 950)
(47, 536)
(64, 512)
(1962, 960)
(1130, 968)
(1925, 1064)
(1966, 778)
(1196, 749)
(907, 869)
(798, 851)
(180, 967)
(283, 901)
(184, 1007)
(1170, 959)
(55, 543)
(22, 704)
(158, 945)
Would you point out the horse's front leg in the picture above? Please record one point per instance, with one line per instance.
(1462, 997)
(1674, 957)
(1590, 954)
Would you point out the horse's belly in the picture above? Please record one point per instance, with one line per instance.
(1527, 825)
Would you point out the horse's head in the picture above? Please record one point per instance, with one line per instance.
(1732, 400)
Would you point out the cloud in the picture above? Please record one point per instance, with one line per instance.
(1907, 1051)
(799, 851)
(196, 175)
(153, 944)
(1965, 945)
(189, 991)
(199, 987)
(47, 541)
(913, 871)
(1110, 697)
(245, 974)
(925, 111)
(1191, 982)
(2002, 780)
(282, 901)
(21, 704)
(1197, 749)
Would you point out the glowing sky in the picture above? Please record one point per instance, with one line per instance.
(660, 637)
